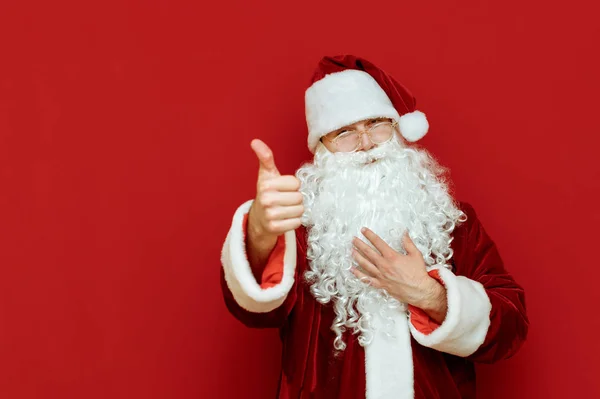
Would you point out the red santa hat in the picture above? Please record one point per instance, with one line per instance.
(346, 89)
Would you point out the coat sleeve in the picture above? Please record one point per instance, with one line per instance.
(260, 299)
(486, 319)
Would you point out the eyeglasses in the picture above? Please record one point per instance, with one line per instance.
(349, 140)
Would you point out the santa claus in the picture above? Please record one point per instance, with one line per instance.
(381, 283)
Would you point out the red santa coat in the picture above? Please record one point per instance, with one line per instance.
(486, 322)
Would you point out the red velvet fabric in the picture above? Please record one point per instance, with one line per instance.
(310, 369)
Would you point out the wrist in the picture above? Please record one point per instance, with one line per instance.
(434, 294)
(256, 234)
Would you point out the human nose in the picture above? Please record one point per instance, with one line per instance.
(365, 141)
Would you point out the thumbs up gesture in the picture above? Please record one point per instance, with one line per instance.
(277, 207)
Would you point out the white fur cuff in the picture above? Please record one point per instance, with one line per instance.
(467, 321)
(238, 274)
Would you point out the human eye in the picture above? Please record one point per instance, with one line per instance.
(343, 132)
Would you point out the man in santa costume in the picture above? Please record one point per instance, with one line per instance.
(382, 285)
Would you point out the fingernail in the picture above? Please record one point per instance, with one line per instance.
(363, 230)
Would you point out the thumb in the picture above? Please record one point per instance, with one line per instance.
(265, 157)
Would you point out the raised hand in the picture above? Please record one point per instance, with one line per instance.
(277, 207)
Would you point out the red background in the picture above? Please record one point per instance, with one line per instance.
(124, 151)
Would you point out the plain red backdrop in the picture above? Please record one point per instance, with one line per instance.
(124, 151)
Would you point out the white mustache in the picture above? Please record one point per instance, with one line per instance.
(361, 158)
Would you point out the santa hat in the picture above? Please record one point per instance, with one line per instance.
(346, 89)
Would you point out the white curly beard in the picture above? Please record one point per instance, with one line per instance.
(403, 189)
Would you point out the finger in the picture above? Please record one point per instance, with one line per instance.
(281, 226)
(382, 246)
(281, 198)
(368, 268)
(372, 281)
(285, 212)
(368, 252)
(409, 245)
(282, 183)
(265, 157)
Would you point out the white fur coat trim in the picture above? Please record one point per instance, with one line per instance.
(467, 320)
(389, 362)
(238, 274)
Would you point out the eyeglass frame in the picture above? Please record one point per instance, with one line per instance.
(361, 132)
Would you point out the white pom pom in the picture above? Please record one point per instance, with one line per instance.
(413, 126)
